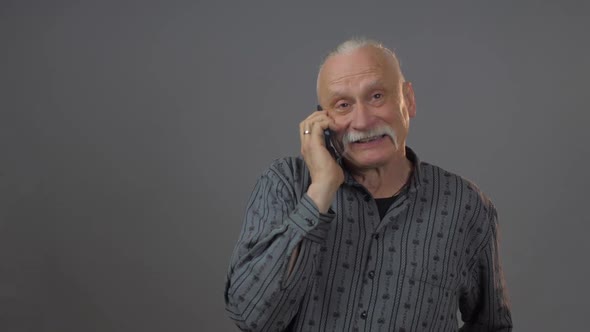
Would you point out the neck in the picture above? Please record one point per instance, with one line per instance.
(386, 180)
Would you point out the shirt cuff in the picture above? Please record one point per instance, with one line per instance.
(307, 218)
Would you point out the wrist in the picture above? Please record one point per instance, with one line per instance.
(322, 196)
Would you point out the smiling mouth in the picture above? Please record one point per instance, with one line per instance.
(370, 139)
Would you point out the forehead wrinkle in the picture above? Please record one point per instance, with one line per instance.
(353, 75)
(364, 86)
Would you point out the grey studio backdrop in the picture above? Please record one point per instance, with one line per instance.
(132, 133)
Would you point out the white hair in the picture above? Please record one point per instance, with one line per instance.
(356, 43)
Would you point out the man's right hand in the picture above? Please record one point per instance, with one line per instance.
(326, 174)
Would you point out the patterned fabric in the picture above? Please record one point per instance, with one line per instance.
(435, 252)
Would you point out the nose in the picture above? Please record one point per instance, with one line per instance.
(362, 117)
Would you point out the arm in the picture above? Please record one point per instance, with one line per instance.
(266, 281)
(484, 303)
(274, 260)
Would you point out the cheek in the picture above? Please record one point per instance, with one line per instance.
(394, 117)
(341, 122)
(390, 118)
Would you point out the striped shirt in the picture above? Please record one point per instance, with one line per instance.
(433, 253)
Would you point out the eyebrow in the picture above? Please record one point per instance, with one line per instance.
(338, 93)
(375, 84)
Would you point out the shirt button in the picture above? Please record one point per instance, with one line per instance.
(376, 236)
(364, 315)
(371, 274)
(309, 222)
(367, 198)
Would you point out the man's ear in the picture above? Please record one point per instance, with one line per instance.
(409, 98)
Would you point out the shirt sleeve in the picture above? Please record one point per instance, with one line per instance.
(259, 294)
(484, 303)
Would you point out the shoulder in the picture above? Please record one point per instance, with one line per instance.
(474, 211)
(471, 196)
(288, 168)
(289, 171)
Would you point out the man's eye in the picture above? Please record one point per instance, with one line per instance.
(343, 105)
(378, 96)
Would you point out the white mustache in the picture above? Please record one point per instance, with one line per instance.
(354, 136)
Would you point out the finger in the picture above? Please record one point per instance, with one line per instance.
(313, 129)
(325, 123)
(305, 127)
(311, 132)
(312, 118)
(317, 115)
(305, 131)
(317, 134)
(313, 142)
(321, 118)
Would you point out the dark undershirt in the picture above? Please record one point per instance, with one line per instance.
(383, 204)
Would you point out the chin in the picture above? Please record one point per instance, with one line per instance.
(368, 161)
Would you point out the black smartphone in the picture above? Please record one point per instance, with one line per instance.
(330, 141)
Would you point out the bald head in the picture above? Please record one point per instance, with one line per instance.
(355, 44)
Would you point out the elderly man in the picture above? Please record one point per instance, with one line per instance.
(375, 239)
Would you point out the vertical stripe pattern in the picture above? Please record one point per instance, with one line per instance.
(433, 253)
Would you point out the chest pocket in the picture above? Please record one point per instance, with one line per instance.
(430, 295)
(442, 279)
(429, 289)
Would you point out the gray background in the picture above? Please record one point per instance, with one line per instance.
(131, 135)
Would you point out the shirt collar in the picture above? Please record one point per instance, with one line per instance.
(415, 178)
